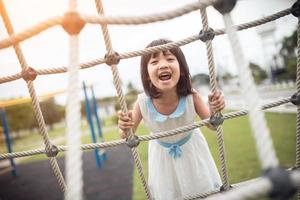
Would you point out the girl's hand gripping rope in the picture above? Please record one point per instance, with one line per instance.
(125, 123)
(216, 102)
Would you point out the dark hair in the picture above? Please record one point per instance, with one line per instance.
(184, 85)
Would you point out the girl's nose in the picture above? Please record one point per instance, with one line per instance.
(163, 65)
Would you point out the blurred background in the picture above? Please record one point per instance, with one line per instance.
(269, 48)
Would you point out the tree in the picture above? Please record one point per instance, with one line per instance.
(52, 112)
(20, 117)
(227, 76)
(200, 79)
(287, 52)
(131, 90)
(258, 73)
(131, 95)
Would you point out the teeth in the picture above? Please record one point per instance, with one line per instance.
(165, 76)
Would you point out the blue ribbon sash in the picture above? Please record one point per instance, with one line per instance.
(175, 148)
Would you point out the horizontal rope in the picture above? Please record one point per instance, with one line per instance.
(242, 184)
(152, 49)
(90, 146)
(144, 137)
(257, 22)
(147, 18)
(261, 186)
(30, 32)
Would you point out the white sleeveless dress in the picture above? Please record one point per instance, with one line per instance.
(194, 171)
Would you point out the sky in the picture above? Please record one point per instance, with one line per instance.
(51, 48)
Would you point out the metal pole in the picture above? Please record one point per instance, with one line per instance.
(90, 121)
(8, 140)
(98, 121)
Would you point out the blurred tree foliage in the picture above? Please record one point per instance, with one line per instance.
(258, 73)
(21, 117)
(52, 112)
(288, 53)
(130, 97)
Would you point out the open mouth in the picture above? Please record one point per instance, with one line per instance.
(165, 76)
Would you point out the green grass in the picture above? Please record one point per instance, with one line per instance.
(241, 156)
(26, 142)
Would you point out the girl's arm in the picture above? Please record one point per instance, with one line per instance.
(131, 120)
(200, 107)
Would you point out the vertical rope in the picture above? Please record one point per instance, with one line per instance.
(35, 101)
(107, 40)
(298, 93)
(74, 154)
(257, 120)
(73, 116)
(117, 83)
(213, 81)
(298, 107)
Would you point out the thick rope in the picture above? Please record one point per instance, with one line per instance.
(73, 119)
(298, 107)
(252, 190)
(202, 195)
(147, 18)
(257, 22)
(298, 93)
(257, 120)
(48, 145)
(150, 50)
(28, 33)
(14, 39)
(213, 85)
(179, 130)
(104, 28)
(117, 83)
(35, 102)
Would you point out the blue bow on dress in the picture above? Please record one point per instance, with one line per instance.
(175, 148)
(175, 151)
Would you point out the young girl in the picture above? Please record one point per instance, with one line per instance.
(182, 164)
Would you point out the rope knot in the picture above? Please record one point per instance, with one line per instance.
(216, 120)
(112, 58)
(132, 141)
(52, 152)
(283, 187)
(207, 35)
(29, 74)
(225, 187)
(224, 6)
(295, 10)
(295, 99)
(72, 23)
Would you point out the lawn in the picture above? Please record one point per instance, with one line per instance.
(241, 156)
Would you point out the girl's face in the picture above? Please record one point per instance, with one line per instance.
(164, 71)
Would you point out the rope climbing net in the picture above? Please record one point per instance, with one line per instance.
(275, 180)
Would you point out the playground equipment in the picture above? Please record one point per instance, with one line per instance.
(8, 139)
(100, 155)
(276, 181)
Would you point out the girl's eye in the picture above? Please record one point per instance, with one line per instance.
(153, 62)
(171, 59)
